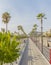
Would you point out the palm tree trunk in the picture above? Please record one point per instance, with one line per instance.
(36, 38)
(6, 28)
(41, 36)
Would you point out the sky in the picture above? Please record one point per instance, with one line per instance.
(24, 12)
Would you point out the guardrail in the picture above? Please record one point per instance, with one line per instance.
(46, 50)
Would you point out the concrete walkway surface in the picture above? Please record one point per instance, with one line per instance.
(32, 56)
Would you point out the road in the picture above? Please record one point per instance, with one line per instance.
(32, 56)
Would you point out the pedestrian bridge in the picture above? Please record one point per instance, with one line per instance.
(32, 55)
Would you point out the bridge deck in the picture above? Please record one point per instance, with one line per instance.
(32, 56)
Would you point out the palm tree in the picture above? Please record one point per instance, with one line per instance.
(35, 31)
(21, 28)
(41, 16)
(3, 30)
(35, 26)
(5, 18)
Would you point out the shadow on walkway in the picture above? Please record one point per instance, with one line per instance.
(24, 60)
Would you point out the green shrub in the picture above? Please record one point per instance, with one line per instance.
(9, 50)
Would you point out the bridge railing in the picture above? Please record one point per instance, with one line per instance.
(46, 49)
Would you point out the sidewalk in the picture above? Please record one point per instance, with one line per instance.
(32, 56)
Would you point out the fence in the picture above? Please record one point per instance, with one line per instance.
(46, 49)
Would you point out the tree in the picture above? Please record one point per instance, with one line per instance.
(35, 27)
(41, 16)
(21, 28)
(3, 30)
(5, 18)
(9, 51)
(35, 31)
